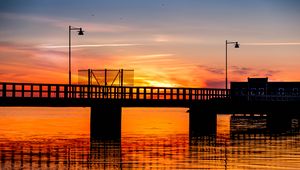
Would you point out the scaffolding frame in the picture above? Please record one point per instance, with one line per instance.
(106, 77)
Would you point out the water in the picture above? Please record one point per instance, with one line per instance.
(58, 138)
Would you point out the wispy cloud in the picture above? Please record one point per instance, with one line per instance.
(14, 16)
(272, 43)
(269, 73)
(20, 55)
(150, 56)
(214, 70)
(61, 22)
(159, 60)
(162, 38)
(238, 71)
(96, 27)
(177, 37)
(241, 70)
(87, 45)
(215, 83)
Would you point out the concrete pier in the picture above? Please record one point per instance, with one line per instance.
(105, 122)
(202, 122)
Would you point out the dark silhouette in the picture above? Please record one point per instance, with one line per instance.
(106, 103)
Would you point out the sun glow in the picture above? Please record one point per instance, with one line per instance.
(160, 83)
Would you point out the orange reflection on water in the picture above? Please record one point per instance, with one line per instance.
(155, 138)
(25, 123)
(155, 121)
(151, 139)
(18, 123)
(223, 127)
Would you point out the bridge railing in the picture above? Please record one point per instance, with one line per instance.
(33, 90)
(270, 95)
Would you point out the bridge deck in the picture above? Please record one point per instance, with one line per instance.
(34, 94)
(32, 90)
(18, 93)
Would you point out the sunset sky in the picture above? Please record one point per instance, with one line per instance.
(166, 42)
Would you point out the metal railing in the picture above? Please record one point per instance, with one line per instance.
(270, 95)
(34, 90)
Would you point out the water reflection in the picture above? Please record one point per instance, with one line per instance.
(131, 153)
(157, 152)
(255, 145)
(105, 154)
(244, 151)
(240, 143)
(59, 154)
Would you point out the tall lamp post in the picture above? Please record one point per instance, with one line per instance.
(236, 45)
(80, 32)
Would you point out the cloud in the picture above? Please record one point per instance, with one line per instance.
(151, 56)
(240, 74)
(256, 72)
(20, 55)
(95, 27)
(158, 60)
(241, 70)
(176, 37)
(162, 38)
(272, 43)
(213, 76)
(237, 72)
(14, 16)
(270, 73)
(214, 70)
(87, 45)
(215, 83)
(61, 22)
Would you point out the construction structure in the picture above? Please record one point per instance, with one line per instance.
(106, 77)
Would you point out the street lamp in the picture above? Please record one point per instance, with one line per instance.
(236, 45)
(80, 32)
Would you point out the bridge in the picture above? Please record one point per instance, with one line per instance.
(106, 103)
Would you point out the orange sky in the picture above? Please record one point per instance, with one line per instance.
(34, 64)
(174, 44)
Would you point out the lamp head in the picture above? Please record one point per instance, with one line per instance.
(237, 45)
(80, 32)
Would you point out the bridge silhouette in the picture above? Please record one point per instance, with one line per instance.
(106, 103)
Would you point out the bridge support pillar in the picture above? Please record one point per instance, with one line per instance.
(202, 121)
(105, 122)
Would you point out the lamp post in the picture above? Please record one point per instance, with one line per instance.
(80, 32)
(236, 45)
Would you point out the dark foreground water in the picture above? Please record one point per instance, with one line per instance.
(156, 139)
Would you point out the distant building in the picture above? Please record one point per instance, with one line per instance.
(259, 87)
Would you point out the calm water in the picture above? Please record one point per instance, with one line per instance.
(58, 138)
